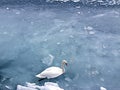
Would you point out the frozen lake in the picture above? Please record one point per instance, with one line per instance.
(34, 37)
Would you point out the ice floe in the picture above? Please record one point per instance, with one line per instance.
(102, 88)
(33, 86)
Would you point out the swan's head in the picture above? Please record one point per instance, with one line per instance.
(64, 62)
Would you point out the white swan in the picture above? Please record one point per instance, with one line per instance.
(53, 72)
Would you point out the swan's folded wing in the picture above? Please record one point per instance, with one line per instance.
(51, 72)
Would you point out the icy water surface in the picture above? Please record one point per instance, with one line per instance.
(33, 38)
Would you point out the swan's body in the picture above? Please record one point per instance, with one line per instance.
(50, 72)
(53, 72)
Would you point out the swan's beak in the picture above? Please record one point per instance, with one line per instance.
(66, 64)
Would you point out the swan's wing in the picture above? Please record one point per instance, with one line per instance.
(51, 72)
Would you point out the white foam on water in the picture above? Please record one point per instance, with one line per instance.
(101, 2)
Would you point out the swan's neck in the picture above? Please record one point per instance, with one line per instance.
(62, 66)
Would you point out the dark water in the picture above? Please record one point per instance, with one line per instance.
(62, 2)
(34, 37)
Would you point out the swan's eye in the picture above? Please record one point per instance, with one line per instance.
(66, 64)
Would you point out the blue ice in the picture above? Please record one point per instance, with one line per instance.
(33, 38)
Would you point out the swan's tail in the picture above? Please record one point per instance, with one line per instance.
(40, 76)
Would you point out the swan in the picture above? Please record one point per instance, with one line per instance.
(53, 71)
